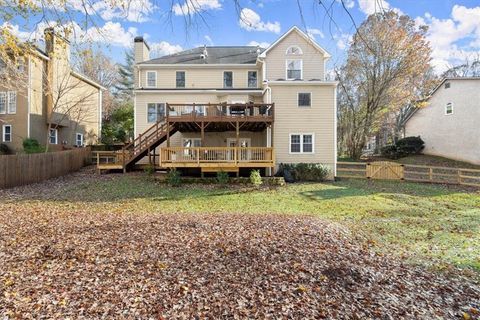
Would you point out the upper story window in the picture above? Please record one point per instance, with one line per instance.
(79, 139)
(155, 112)
(295, 50)
(304, 99)
(449, 108)
(151, 79)
(8, 102)
(180, 79)
(7, 133)
(228, 79)
(294, 69)
(252, 79)
(447, 85)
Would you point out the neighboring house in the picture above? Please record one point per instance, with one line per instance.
(50, 102)
(450, 123)
(235, 108)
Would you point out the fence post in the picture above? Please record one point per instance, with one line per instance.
(430, 174)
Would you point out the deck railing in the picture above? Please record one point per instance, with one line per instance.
(197, 111)
(226, 155)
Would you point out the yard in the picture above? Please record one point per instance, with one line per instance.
(127, 246)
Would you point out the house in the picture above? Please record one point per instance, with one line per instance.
(234, 108)
(48, 101)
(450, 123)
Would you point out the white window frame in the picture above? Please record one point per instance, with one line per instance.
(11, 94)
(248, 84)
(298, 98)
(286, 69)
(184, 80)
(223, 79)
(301, 143)
(146, 79)
(81, 139)
(294, 54)
(446, 109)
(50, 136)
(4, 96)
(9, 134)
(193, 143)
(156, 106)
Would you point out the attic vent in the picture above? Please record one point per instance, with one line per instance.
(447, 85)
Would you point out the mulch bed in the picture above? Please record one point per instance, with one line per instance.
(61, 263)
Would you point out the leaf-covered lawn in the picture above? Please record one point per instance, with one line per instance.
(120, 246)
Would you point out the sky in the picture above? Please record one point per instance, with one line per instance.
(454, 25)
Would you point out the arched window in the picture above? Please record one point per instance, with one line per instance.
(295, 50)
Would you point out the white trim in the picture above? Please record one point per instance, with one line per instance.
(8, 102)
(81, 139)
(223, 78)
(85, 79)
(301, 142)
(196, 65)
(185, 80)
(135, 115)
(294, 54)
(216, 91)
(100, 114)
(50, 136)
(335, 154)
(156, 103)
(256, 71)
(5, 94)
(286, 69)
(29, 98)
(146, 78)
(249, 141)
(193, 139)
(326, 55)
(303, 82)
(3, 133)
(298, 94)
(446, 113)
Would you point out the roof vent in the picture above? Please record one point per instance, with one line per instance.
(204, 55)
(258, 49)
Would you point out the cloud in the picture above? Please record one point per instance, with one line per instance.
(343, 40)
(162, 48)
(112, 33)
(349, 4)
(190, 7)
(209, 40)
(15, 30)
(260, 44)
(452, 39)
(311, 32)
(372, 6)
(251, 21)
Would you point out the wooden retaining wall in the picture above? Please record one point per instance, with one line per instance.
(21, 169)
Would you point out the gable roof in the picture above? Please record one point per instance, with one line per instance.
(450, 79)
(301, 33)
(215, 55)
(87, 80)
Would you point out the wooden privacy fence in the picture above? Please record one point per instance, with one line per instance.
(408, 172)
(21, 169)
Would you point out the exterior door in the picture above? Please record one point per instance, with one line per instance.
(243, 143)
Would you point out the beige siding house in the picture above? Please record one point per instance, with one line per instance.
(449, 124)
(235, 108)
(50, 102)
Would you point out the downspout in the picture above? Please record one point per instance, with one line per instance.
(29, 99)
(100, 114)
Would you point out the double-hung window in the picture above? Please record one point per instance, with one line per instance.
(79, 139)
(304, 99)
(155, 112)
(151, 79)
(294, 69)
(180, 79)
(7, 133)
(3, 102)
(228, 79)
(53, 136)
(252, 79)
(12, 102)
(301, 143)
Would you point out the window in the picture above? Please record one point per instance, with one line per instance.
(180, 79)
(151, 79)
(294, 69)
(449, 108)
(53, 136)
(227, 79)
(301, 143)
(447, 85)
(252, 79)
(12, 102)
(192, 142)
(304, 99)
(3, 102)
(7, 133)
(155, 112)
(79, 139)
(294, 50)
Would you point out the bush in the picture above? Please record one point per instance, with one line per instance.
(173, 178)
(303, 172)
(4, 149)
(403, 148)
(222, 177)
(32, 146)
(150, 169)
(255, 178)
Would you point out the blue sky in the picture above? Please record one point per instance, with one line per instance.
(454, 24)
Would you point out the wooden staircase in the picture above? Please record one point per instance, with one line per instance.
(137, 149)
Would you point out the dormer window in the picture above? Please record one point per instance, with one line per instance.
(294, 50)
(294, 69)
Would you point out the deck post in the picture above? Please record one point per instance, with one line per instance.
(238, 133)
(123, 161)
(168, 134)
(202, 128)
